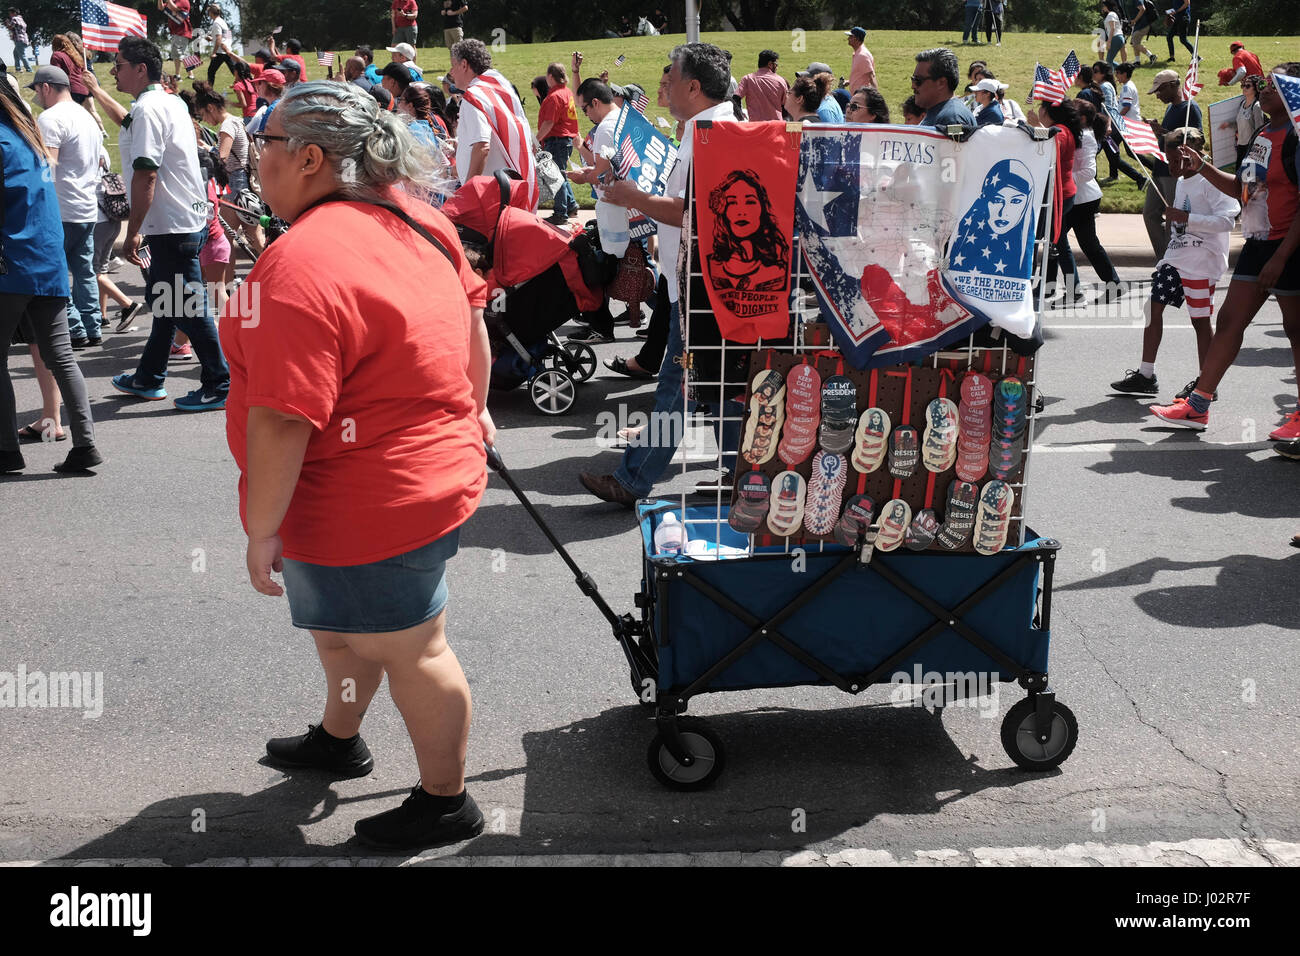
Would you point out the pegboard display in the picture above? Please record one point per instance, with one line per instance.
(797, 432)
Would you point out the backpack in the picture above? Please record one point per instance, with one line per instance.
(113, 199)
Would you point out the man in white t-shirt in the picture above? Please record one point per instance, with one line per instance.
(72, 137)
(170, 210)
(595, 100)
(697, 90)
(479, 150)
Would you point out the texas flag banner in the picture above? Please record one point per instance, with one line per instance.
(914, 241)
(745, 176)
(647, 155)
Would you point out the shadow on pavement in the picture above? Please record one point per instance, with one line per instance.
(1231, 483)
(267, 823)
(589, 788)
(1245, 592)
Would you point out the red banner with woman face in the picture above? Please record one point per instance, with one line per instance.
(745, 178)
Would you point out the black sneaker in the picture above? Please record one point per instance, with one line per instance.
(1135, 383)
(93, 340)
(81, 343)
(1289, 449)
(417, 824)
(125, 316)
(1191, 387)
(80, 459)
(319, 751)
(11, 461)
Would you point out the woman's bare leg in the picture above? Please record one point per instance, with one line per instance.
(350, 683)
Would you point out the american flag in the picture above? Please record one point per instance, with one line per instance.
(1048, 85)
(190, 61)
(143, 254)
(104, 24)
(628, 160)
(1191, 84)
(1070, 69)
(640, 102)
(1289, 88)
(325, 59)
(493, 96)
(1140, 139)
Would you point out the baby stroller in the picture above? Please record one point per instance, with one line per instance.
(548, 280)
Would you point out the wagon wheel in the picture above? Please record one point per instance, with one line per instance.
(553, 391)
(1022, 744)
(703, 744)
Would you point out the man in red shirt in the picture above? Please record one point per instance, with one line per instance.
(764, 90)
(177, 13)
(405, 29)
(557, 128)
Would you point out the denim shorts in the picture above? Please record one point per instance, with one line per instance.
(389, 595)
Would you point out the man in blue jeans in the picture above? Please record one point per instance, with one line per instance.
(169, 209)
(557, 127)
(697, 90)
(72, 137)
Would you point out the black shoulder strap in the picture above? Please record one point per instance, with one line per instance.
(401, 214)
(397, 211)
(4, 268)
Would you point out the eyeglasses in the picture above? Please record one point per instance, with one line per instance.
(852, 107)
(586, 106)
(918, 80)
(261, 139)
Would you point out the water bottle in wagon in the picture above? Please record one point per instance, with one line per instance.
(670, 536)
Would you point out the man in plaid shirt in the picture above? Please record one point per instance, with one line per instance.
(17, 28)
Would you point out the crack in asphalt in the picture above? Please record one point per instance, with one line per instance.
(1253, 839)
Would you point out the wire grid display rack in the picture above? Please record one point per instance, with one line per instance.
(710, 410)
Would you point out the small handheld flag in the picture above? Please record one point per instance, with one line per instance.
(325, 59)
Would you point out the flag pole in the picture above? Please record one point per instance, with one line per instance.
(1151, 183)
(1196, 46)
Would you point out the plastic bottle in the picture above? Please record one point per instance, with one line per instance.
(612, 221)
(670, 536)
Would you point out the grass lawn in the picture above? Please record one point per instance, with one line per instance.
(1013, 63)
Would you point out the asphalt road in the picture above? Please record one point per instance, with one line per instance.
(1174, 643)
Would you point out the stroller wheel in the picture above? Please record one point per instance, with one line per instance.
(583, 361)
(553, 391)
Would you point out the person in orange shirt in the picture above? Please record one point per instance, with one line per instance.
(357, 416)
(557, 129)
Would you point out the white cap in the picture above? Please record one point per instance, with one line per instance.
(988, 86)
(405, 49)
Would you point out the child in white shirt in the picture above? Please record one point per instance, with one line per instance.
(1200, 219)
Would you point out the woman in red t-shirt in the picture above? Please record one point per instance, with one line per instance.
(357, 416)
(1067, 129)
(1269, 263)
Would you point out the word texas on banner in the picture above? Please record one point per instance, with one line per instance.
(643, 155)
(744, 187)
(914, 241)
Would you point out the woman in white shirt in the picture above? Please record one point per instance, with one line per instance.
(1114, 32)
(1082, 217)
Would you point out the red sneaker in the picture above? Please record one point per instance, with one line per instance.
(182, 351)
(1288, 430)
(1181, 413)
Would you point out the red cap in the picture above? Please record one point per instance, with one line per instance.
(273, 77)
(1234, 45)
